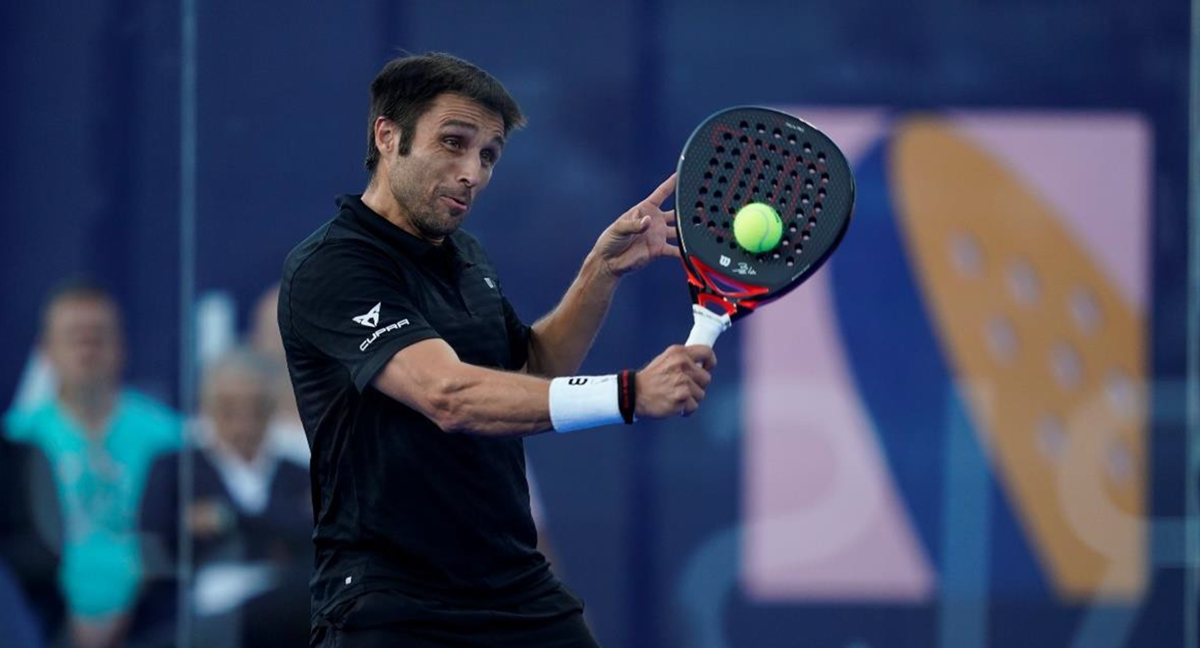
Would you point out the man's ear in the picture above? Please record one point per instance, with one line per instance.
(387, 136)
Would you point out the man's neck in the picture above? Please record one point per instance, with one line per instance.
(379, 198)
(91, 405)
(247, 456)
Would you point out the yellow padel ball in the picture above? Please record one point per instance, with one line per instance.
(757, 228)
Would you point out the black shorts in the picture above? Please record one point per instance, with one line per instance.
(389, 618)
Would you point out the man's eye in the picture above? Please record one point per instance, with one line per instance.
(452, 142)
(488, 156)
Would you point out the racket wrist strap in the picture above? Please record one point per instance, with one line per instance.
(627, 395)
(707, 326)
(581, 402)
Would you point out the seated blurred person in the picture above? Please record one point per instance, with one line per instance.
(286, 430)
(31, 531)
(250, 517)
(100, 440)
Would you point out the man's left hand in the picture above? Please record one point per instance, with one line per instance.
(640, 235)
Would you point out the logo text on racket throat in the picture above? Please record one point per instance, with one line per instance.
(394, 326)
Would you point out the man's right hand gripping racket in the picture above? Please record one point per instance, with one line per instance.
(746, 155)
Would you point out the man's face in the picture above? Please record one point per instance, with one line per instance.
(240, 407)
(82, 341)
(454, 149)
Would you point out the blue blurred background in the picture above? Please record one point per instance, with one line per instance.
(650, 525)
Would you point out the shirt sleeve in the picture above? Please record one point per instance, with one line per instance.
(18, 426)
(354, 306)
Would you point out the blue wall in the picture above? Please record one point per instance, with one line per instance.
(90, 175)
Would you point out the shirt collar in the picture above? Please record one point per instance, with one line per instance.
(77, 428)
(447, 253)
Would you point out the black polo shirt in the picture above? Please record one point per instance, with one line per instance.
(399, 504)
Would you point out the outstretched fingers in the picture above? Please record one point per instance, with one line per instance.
(663, 192)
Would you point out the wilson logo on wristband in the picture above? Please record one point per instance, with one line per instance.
(580, 402)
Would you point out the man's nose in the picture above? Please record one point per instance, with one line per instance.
(470, 171)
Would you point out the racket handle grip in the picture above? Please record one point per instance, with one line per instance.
(707, 326)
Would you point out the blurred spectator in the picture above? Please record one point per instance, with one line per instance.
(250, 517)
(31, 531)
(286, 431)
(100, 440)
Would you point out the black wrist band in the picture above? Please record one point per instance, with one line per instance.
(627, 395)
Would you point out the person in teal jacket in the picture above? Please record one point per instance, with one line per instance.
(101, 440)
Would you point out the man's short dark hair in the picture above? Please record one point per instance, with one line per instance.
(405, 87)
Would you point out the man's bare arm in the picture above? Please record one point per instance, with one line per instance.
(462, 398)
(459, 397)
(560, 340)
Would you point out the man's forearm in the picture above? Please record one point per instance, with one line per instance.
(561, 339)
(486, 402)
(462, 398)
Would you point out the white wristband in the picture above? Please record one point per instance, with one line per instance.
(580, 402)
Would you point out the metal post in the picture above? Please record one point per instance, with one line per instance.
(187, 289)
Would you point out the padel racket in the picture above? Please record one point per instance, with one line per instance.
(745, 155)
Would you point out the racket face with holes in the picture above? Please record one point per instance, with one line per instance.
(750, 154)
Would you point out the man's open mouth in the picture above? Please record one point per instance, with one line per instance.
(456, 203)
